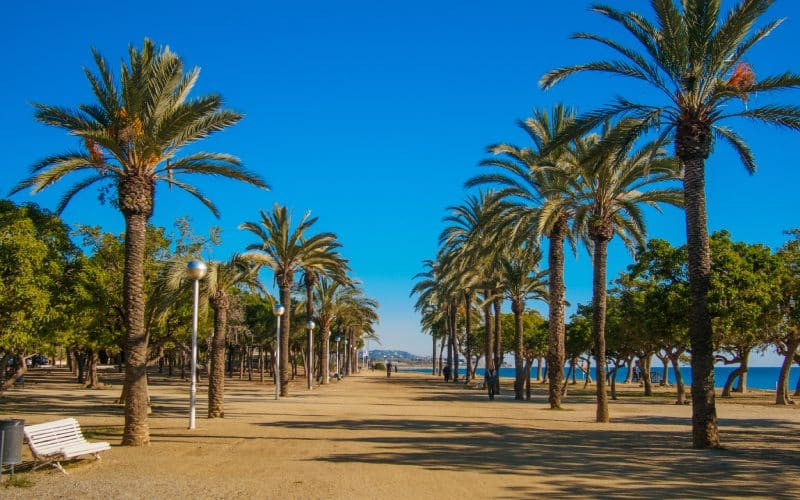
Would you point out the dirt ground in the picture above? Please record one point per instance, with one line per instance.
(410, 436)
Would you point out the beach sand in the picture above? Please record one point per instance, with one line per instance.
(411, 436)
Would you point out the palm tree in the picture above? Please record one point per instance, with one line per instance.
(357, 316)
(220, 281)
(132, 138)
(694, 59)
(469, 250)
(609, 189)
(521, 281)
(334, 300)
(539, 207)
(286, 251)
(311, 276)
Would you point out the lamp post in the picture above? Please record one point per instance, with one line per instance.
(310, 368)
(338, 373)
(195, 270)
(278, 310)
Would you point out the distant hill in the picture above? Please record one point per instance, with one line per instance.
(379, 354)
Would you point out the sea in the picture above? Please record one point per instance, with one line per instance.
(758, 377)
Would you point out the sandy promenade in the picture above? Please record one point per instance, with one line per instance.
(409, 437)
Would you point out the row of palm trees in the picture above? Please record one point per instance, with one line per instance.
(587, 190)
(131, 139)
(327, 294)
(572, 185)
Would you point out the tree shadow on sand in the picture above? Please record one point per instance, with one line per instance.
(651, 463)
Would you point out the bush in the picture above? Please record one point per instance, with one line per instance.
(380, 366)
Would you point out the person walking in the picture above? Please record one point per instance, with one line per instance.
(388, 369)
(489, 380)
(446, 372)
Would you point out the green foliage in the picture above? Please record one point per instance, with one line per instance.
(578, 333)
(694, 63)
(744, 288)
(37, 266)
(137, 127)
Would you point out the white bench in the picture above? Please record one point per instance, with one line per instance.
(52, 442)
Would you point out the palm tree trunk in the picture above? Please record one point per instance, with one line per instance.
(528, 366)
(216, 374)
(449, 326)
(309, 281)
(555, 340)
(441, 354)
(517, 307)
(692, 146)
(433, 356)
(136, 431)
(498, 340)
(468, 333)
(286, 301)
(454, 329)
(325, 359)
(487, 313)
(599, 323)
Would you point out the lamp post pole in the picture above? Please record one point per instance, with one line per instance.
(196, 270)
(310, 368)
(278, 310)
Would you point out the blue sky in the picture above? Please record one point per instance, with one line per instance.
(369, 114)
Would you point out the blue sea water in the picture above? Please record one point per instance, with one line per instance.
(758, 377)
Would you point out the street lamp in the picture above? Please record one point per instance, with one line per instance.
(278, 310)
(195, 270)
(310, 325)
(338, 373)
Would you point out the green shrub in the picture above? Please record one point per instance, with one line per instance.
(380, 366)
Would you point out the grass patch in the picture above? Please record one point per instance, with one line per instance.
(17, 481)
(96, 433)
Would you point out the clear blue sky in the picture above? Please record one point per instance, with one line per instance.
(370, 114)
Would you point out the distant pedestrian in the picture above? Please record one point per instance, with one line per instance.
(395, 367)
(388, 369)
(446, 372)
(489, 380)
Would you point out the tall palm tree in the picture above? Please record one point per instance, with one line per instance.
(522, 281)
(539, 207)
(357, 316)
(470, 245)
(694, 59)
(610, 187)
(432, 300)
(342, 301)
(220, 281)
(133, 135)
(287, 250)
(312, 273)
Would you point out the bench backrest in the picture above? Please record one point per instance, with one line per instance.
(50, 436)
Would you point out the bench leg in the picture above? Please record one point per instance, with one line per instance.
(97, 456)
(57, 465)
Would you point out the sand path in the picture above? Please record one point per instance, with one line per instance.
(409, 437)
